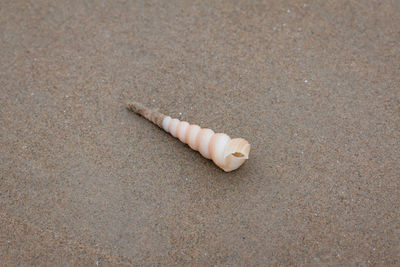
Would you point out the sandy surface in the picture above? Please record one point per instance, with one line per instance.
(313, 85)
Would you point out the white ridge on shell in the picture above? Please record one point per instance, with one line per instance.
(228, 154)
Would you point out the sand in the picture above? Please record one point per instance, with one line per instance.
(312, 85)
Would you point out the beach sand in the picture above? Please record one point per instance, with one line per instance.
(312, 85)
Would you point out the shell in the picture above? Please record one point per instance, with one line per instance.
(228, 154)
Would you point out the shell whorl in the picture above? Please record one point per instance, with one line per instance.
(228, 154)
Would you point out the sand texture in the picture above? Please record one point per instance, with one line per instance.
(314, 86)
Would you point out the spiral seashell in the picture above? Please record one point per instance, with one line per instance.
(228, 154)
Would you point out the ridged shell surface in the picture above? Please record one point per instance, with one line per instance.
(229, 154)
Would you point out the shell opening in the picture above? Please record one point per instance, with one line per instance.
(238, 154)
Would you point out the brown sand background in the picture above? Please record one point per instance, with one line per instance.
(313, 85)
